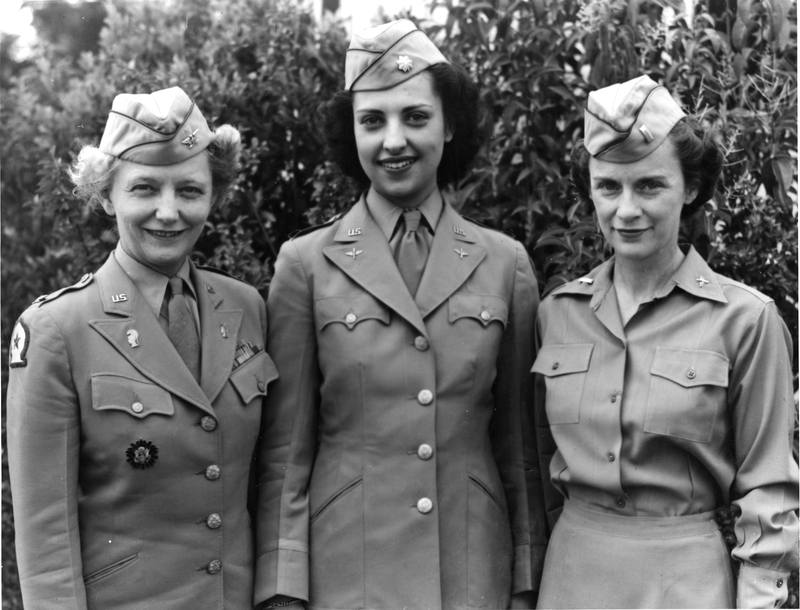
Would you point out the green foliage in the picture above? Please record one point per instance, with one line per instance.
(264, 66)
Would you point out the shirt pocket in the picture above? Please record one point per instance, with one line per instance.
(688, 393)
(349, 311)
(251, 378)
(484, 308)
(136, 397)
(564, 367)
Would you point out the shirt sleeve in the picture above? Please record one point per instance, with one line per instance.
(288, 435)
(43, 456)
(766, 485)
(513, 433)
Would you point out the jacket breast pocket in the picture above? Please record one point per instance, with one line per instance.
(564, 368)
(349, 311)
(251, 378)
(483, 308)
(136, 397)
(688, 393)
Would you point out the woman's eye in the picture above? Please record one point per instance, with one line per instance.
(652, 185)
(417, 117)
(192, 191)
(141, 188)
(606, 187)
(370, 121)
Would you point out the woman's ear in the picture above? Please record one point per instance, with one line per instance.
(448, 133)
(691, 195)
(108, 206)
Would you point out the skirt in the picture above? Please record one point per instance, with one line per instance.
(599, 560)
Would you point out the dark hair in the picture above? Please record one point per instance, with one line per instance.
(699, 154)
(463, 114)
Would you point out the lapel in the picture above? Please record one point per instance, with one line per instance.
(220, 333)
(454, 255)
(363, 254)
(154, 356)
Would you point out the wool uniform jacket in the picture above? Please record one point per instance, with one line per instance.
(130, 479)
(398, 462)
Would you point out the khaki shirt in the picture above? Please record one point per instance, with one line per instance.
(686, 408)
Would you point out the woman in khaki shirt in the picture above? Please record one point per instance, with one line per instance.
(667, 387)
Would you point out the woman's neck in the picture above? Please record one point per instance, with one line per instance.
(637, 280)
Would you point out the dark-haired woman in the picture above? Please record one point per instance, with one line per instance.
(667, 387)
(397, 467)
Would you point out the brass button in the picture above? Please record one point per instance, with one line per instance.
(262, 386)
(421, 343)
(425, 451)
(613, 398)
(486, 316)
(611, 457)
(212, 472)
(214, 566)
(424, 505)
(208, 423)
(213, 521)
(350, 318)
(137, 407)
(620, 502)
(555, 365)
(425, 397)
(691, 374)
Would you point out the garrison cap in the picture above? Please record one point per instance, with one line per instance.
(386, 55)
(159, 128)
(627, 121)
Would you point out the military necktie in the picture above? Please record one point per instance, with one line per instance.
(412, 254)
(182, 329)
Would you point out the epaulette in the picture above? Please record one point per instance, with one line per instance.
(82, 283)
(307, 230)
(480, 224)
(220, 271)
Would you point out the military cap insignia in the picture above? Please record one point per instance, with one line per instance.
(404, 63)
(20, 339)
(191, 140)
(142, 454)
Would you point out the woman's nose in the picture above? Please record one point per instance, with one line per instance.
(167, 208)
(628, 208)
(395, 139)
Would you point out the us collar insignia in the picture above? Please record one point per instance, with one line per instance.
(191, 140)
(404, 63)
(586, 280)
(142, 454)
(701, 281)
(458, 231)
(20, 339)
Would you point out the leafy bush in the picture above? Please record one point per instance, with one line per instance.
(265, 65)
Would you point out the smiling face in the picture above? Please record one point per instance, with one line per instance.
(400, 135)
(639, 205)
(160, 210)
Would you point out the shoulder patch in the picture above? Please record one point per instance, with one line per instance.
(80, 284)
(480, 224)
(220, 271)
(307, 230)
(20, 339)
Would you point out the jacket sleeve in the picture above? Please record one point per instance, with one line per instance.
(288, 435)
(43, 454)
(513, 434)
(766, 484)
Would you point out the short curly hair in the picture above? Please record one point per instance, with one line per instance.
(463, 112)
(93, 171)
(699, 153)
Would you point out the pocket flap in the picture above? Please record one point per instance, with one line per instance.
(349, 310)
(252, 378)
(136, 397)
(563, 359)
(485, 308)
(691, 367)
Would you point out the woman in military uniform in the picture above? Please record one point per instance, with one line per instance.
(398, 461)
(667, 387)
(135, 395)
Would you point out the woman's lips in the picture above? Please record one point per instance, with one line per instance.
(164, 234)
(397, 164)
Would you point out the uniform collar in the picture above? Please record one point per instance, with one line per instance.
(693, 276)
(386, 214)
(150, 283)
